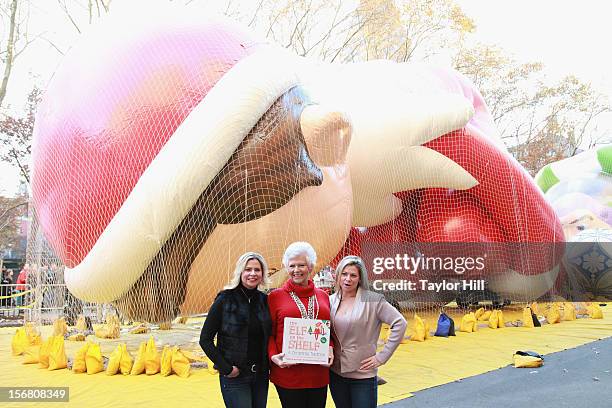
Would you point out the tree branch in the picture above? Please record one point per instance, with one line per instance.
(10, 57)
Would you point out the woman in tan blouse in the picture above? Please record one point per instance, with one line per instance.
(357, 315)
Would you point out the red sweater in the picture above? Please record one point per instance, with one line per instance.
(282, 305)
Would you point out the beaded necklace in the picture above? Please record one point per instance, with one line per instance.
(310, 314)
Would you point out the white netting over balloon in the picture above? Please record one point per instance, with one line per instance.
(166, 149)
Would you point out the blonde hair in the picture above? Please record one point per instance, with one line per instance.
(241, 264)
(363, 272)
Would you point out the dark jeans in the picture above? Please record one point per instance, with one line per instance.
(248, 390)
(303, 397)
(352, 393)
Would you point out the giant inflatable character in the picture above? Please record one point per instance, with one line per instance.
(579, 189)
(165, 149)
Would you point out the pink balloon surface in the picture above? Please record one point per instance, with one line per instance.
(114, 113)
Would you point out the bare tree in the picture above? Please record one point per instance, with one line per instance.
(11, 209)
(16, 136)
(16, 16)
(336, 30)
(540, 122)
(10, 50)
(94, 9)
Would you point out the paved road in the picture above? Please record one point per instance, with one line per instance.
(576, 378)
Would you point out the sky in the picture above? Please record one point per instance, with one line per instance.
(569, 37)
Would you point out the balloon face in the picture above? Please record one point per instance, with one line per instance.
(186, 143)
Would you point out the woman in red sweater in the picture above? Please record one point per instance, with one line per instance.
(298, 385)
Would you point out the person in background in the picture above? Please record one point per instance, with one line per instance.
(298, 385)
(240, 320)
(21, 285)
(357, 315)
(5, 289)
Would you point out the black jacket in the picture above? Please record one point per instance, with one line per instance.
(228, 319)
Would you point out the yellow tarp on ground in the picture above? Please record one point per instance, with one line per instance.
(414, 367)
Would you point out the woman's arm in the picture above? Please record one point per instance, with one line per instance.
(388, 314)
(272, 349)
(211, 327)
(275, 356)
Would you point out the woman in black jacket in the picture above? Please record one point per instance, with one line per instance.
(240, 319)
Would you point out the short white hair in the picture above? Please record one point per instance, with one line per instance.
(297, 249)
(241, 264)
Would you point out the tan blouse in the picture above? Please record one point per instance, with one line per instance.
(356, 333)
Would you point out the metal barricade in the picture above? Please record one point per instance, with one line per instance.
(14, 302)
(45, 302)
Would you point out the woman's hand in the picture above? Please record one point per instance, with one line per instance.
(370, 363)
(235, 372)
(330, 358)
(278, 360)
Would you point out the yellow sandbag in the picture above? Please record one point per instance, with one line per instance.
(79, 364)
(527, 319)
(25, 337)
(468, 323)
(166, 362)
(180, 363)
(114, 361)
(500, 319)
(102, 332)
(60, 327)
(427, 330)
(31, 354)
(113, 325)
(111, 329)
(93, 359)
(181, 319)
(126, 360)
(405, 339)
(152, 359)
(553, 315)
(165, 326)
(81, 324)
(139, 363)
(20, 342)
(485, 316)
(384, 333)
(31, 330)
(112, 318)
(193, 357)
(569, 311)
(35, 340)
(77, 337)
(479, 313)
(534, 308)
(419, 329)
(493, 320)
(57, 355)
(141, 328)
(594, 311)
(526, 361)
(43, 353)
